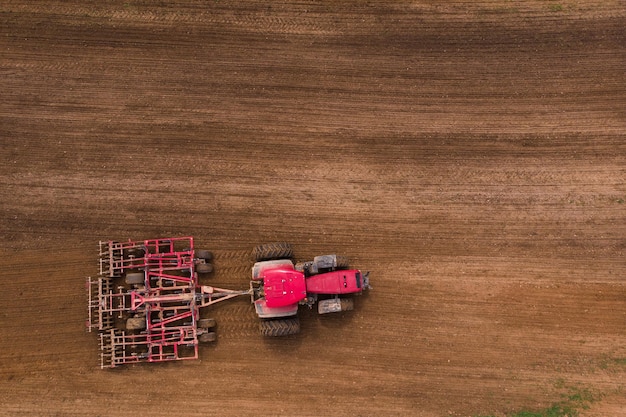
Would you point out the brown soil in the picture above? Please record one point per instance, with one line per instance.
(471, 155)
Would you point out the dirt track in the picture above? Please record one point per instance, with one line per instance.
(471, 155)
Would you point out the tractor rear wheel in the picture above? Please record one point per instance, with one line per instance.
(269, 251)
(280, 327)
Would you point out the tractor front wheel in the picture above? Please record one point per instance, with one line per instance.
(342, 262)
(347, 304)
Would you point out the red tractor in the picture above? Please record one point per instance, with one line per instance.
(146, 301)
(278, 287)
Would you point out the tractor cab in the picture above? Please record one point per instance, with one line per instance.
(342, 281)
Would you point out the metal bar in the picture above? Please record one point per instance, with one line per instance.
(165, 262)
(158, 275)
(163, 323)
(170, 301)
(89, 306)
(212, 295)
(207, 301)
(137, 300)
(154, 245)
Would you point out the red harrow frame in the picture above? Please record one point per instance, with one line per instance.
(146, 301)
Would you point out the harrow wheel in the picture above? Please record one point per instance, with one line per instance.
(280, 327)
(206, 323)
(269, 251)
(136, 323)
(204, 268)
(207, 337)
(135, 278)
(204, 254)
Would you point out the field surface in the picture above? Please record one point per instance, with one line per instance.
(471, 155)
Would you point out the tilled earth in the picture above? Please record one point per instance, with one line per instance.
(471, 155)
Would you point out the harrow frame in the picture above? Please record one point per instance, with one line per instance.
(161, 313)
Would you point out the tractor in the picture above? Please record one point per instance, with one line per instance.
(279, 286)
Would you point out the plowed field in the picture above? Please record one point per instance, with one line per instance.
(471, 155)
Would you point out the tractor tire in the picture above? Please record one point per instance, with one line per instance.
(342, 262)
(269, 251)
(204, 254)
(204, 268)
(136, 323)
(135, 278)
(134, 253)
(206, 323)
(280, 327)
(347, 304)
(207, 337)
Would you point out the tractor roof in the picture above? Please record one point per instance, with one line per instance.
(283, 287)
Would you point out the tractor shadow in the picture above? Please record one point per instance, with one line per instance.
(314, 326)
(333, 322)
(284, 345)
